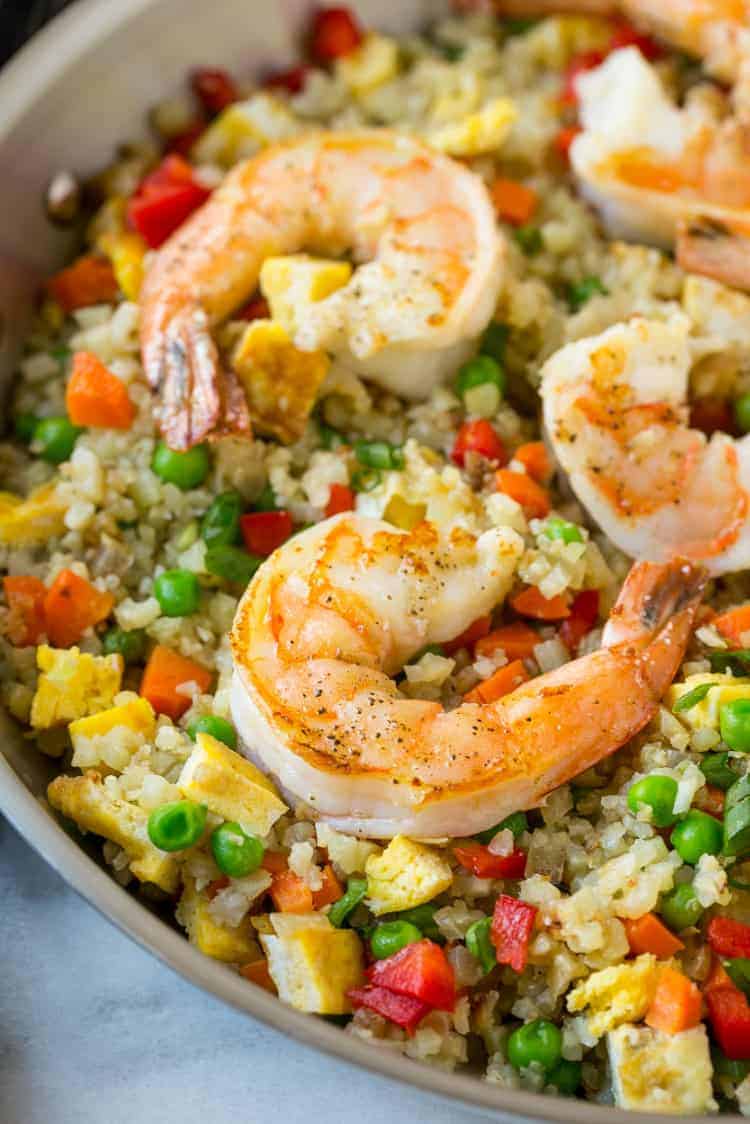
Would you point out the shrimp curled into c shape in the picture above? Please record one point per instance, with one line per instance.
(421, 224)
(339, 609)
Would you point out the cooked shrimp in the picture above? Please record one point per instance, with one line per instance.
(615, 408)
(421, 224)
(715, 250)
(339, 609)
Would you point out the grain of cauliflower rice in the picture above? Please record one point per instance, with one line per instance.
(309, 609)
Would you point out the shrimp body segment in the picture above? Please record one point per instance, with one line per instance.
(616, 411)
(420, 226)
(337, 611)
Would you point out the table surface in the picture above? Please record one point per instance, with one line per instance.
(92, 1028)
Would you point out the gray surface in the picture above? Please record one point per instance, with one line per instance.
(93, 1029)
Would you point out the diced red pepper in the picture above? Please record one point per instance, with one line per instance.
(564, 138)
(402, 1010)
(584, 613)
(478, 437)
(292, 80)
(468, 638)
(420, 970)
(181, 144)
(340, 498)
(215, 89)
(26, 622)
(164, 199)
(334, 34)
(728, 938)
(710, 414)
(626, 35)
(512, 923)
(729, 1015)
(579, 64)
(256, 309)
(264, 531)
(481, 861)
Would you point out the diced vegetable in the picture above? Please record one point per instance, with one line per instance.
(25, 596)
(378, 454)
(717, 770)
(657, 793)
(236, 853)
(216, 726)
(728, 937)
(584, 613)
(729, 1015)
(479, 943)
(737, 817)
(710, 413)
(742, 413)
(479, 628)
(356, 890)
(390, 937)
(533, 498)
(516, 822)
(292, 80)
(734, 724)
(482, 370)
(264, 531)
(478, 437)
(733, 623)
(56, 438)
(680, 907)
(564, 138)
(340, 498)
(484, 864)
(647, 934)
(168, 681)
(256, 309)
(423, 916)
(625, 35)
(531, 603)
(89, 280)
(164, 199)
(290, 893)
(582, 291)
(512, 925)
(692, 698)
(565, 1076)
(529, 238)
(215, 89)
(176, 826)
(73, 605)
(335, 33)
(494, 340)
(578, 65)
(420, 970)
(676, 1004)
(220, 525)
(738, 970)
(561, 529)
(514, 201)
(186, 470)
(517, 640)
(538, 1041)
(403, 1010)
(130, 645)
(535, 459)
(500, 683)
(231, 563)
(696, 835)
(330, 891)
(257, 973)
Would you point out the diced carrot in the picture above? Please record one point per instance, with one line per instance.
(290, 893)
(522, 488)
(274, 862)
(649, 934)
(26, 622)
(72, 605)
(517, 640)
(468, 638)
(340, 498)
(500, 683)
(217, 885)
(676, 1004)
(514, 201)
(89, 280)
(734, 623)
(166, 674)
(94, 396)
(530, 603)
(257, 973)
(330, 891)
(535, 459)
(710, 799)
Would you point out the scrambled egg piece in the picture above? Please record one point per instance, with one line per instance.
(312, 964)
(291, 283)
(72, 684)
(371, 64)
(126, 251)
(39, 517)
(281, 382)
(657, 1072)
(243, 128)
(87, 800)
(128, 725)
(705, 714)
(405, 875)
(233, 945)
(477, 134)
(230, 786)
(616, 995)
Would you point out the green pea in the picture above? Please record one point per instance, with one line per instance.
(738, 969)
(266, 501)
(366, 479)
(494, 340)
(24, 426)
(692, 698)
(178, 592)
(130, 645)
(231, 563)
(680, 908)
(515, 822)
(529, 238)
(742, 413)
(378, 454)
(480, 945)
(697, 834)
(659, 793)
(173, 827)
(582, 291)
(220, 525)
(478, 371)
(734, 724)
(452, 52)
(236, 853)
(538, 1041)
(391, 936)
(356, 889)
(185, 470)
(717, 770)
(56, 438)
(423, 916)
(217, 727)
(330, 438)
(556, 528)
(566, 1077)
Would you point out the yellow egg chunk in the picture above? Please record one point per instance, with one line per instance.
(657, 1072)
(128, 726)
(477, 134)
(230, 786)
(705, 714)
(404, 875)
(371, 64)
(33, 520)
(230, 944)
(126, 251)
(312, 964)
(72, 684)
(616, 995)
(87, 801)
(292, 282)
(243, 128)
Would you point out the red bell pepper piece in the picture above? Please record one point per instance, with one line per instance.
(512, 923)
(181, 144)
(481, 861)
(164, 199)
(728, 938)
(292, 80)
(564, 138)
(334, 34)
(584, 612)
(729, 1015)
(215, 89)
(420, 970)
(627, 36)
(340, 498)
(468, 638)
(478, 437)
(711, 413)
(264, 531)
(256, 309)
(400, 1009)
(579, 64)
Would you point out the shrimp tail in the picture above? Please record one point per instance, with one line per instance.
(713, 249)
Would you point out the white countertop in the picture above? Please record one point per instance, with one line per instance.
(93, 1030)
